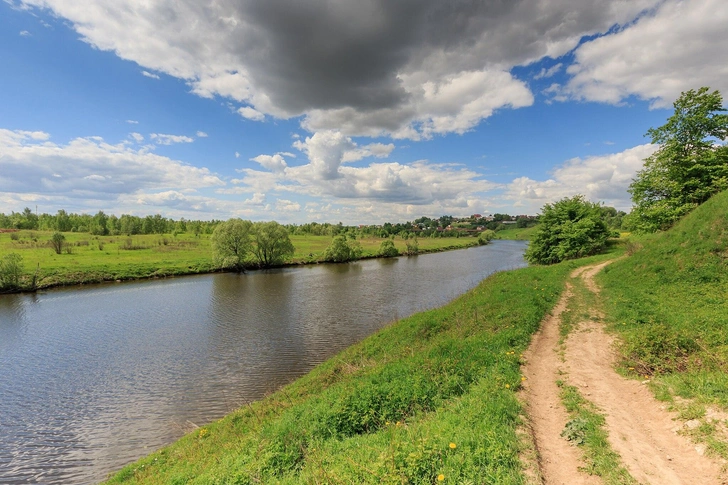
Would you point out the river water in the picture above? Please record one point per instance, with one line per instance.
(92, 378)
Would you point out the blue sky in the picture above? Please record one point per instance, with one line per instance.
(352, 111)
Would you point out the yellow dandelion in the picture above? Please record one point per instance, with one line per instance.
(453, 446)
(508, 386)
(440, 477)
(523, 378)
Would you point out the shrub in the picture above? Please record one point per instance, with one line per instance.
(570, 228)
(11, 272)
(57, 241)
(413, 246)
(387, 249)
(341, 250)
(485, 237)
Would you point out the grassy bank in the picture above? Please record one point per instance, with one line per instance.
(516, 233)
(668, 301)
(89, 259)
(428, 399)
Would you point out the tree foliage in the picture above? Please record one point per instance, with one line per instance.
(342, 250)
(271, 243)
(231, 243)
(570, 228)
(57, 242)
(486, 236)
(387, 249)
(690, 165)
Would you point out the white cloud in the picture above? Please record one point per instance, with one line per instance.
(138, 137)
(150, 75)
(162, 139)
(132, 122)
(24, 33)
(550, 72)
(679, 46)
(237, 155)
(89, 169)
(287, 205)
(600, 178)
(251, 113)
(201, 134)
(274, 163)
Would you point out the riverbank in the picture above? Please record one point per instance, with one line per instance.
(430, 397)
(88, 259)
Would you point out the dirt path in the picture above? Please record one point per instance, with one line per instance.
(640, 429)
(559, 462)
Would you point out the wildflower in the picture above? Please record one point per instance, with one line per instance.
(523, 378)
(440, 477)
(508, 386)
(453, 446)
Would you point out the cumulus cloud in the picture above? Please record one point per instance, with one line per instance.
(201, 134)
(550, 72)
(326, 176)
(89, 169)
(679, 46)
(24, 33)
(600, 178)
(405, 68)
(138, 137)
(251, 113)
(163, 139)
(150, 75)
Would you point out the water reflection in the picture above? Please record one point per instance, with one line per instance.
(93, 378)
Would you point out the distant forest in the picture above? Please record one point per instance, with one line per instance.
(104, 224)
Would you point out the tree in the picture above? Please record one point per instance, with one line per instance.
(485, 237)
(231, 243)
(413, 246)
(340, 250)
(271, 244)
(57, 241)
(387, 249)
(570, 228)
(689, 166)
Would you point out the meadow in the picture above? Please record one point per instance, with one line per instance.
(88, 259)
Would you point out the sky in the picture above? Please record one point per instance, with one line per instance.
(353, 111)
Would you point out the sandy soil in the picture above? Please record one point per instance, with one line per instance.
(640, 430)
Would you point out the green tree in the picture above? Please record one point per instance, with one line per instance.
(271, 243)
(570, 228)
(689, 166)
(387, 249)
(342, 250)
(11, 272)
(231, 243)
(57, 241)
(486, 236)
(413, 246)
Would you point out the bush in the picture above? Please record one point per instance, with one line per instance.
(341, 250)
(485, 237)
(57, 241)
(570, 228)
(11, 272)
(413, 247)
(387, 249)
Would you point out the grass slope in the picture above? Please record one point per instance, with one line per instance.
(429, 399)
(108, 258)
(669, 302)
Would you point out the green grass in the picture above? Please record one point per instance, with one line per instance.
(108, 258)
(668, 301)
(430, 395)
(515, 233)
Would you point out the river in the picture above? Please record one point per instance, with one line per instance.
(93, 378)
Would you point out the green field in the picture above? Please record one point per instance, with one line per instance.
(107, 258)
(516, 233)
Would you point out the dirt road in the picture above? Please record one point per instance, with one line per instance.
(640, 430)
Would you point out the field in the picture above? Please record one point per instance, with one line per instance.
(88, 258)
